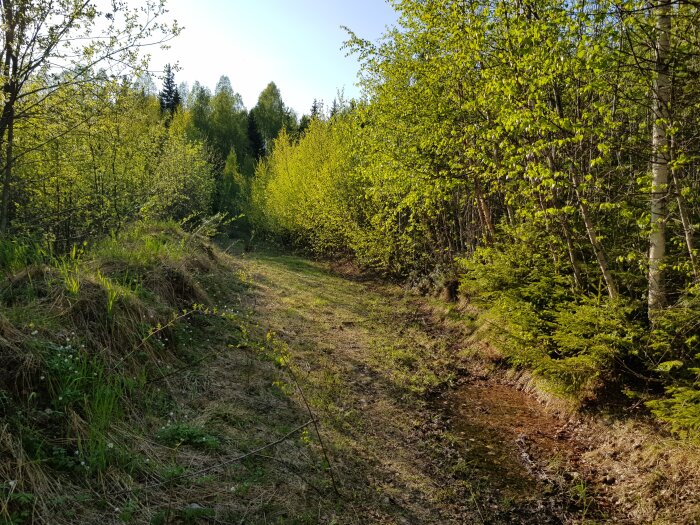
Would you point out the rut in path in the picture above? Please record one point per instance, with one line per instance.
(371, 362)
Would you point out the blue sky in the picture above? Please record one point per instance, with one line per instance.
(295, 43)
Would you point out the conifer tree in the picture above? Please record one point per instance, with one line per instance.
(169, 96)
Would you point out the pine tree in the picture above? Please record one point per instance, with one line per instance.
(317, 109)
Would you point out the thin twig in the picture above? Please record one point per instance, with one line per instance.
(318, 432)
(218, 465)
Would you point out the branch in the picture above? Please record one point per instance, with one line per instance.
(218, 465)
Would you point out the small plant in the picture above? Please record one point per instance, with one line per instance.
(581, 497)
(114, 292)
(15, 505)
(184, 434)
(77, 382)
(71, 277)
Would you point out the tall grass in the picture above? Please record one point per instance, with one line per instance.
(18, 253)
(80, 339)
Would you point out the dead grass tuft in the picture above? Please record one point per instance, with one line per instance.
(176, 285)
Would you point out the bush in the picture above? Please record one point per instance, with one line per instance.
(573, 342)
(673, 353)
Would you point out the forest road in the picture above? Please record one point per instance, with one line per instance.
(413, 437)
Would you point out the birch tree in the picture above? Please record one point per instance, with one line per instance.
(63, 43)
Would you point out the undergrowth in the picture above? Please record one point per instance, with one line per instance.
(583, 346)
(86, 341)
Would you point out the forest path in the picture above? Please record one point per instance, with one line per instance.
(406, 445)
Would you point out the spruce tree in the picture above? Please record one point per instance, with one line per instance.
(169, 96)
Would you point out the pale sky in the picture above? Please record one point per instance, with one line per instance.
(295, 43)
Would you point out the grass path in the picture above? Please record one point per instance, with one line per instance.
(371, 364)
(293, 393)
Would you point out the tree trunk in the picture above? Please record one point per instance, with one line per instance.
(578, 281)
(599, 252)
(595, 244)
(9, 71)
(659, 160)
(485, 212)
(7, 179)
(688, 229)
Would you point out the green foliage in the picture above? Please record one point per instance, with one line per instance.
(175, 435)
(18, 253)
(300, 191)
(680, 409)
(233, 188)
(673, 353)
(184, 182)
(590, 339)
(16, 505)
(271, 116)
(511, 144)
(540, 323)
(511, 268)
(121, 164)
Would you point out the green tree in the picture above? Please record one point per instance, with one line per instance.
(228, 123)
(271, 115)
(169, 96)
(255, 139)
(62, 42)
(199, 111)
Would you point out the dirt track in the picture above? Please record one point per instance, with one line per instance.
(407, 445)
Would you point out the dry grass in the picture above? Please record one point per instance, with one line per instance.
(131, 384)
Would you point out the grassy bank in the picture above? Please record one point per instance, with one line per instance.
(132, 392)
